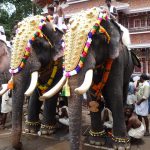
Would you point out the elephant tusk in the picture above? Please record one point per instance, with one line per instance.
(86, 84)
(54, 90)
(4, 89)
(33, 84)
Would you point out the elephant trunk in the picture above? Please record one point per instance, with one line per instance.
(20, 82)
(75, 117)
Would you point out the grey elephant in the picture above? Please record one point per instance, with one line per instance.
(50, 73)
(4, 73)
(88, 47)
(35, 67)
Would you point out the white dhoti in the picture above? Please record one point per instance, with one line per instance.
(131, 99)
(142, 93)
(137, 133)
(108, 124)
(64, 121)
(60, 23)
(6, 105)
(142, 109)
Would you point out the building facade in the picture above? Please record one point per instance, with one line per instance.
(133, 14)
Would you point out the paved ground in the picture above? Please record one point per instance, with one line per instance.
(59, 141)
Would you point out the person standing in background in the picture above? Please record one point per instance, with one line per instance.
(141, 105)
(131, 98)
(50, 10)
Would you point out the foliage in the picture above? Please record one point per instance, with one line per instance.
(24, 8)
(4, 20)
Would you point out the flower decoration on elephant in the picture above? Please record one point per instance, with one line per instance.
(77, 45)
(28, 30)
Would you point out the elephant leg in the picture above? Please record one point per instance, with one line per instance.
(97, 132)
(114, 98)
(49, 125)
(33, 121)
(17, 110)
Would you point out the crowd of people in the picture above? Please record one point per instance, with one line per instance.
(136, 109)
(138, 98)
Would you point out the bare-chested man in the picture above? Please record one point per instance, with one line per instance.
(135, 127)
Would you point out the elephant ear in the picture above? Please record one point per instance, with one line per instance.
(116, 41)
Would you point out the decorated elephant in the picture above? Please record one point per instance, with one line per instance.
(35, 67)
(96, 43)
(50, 73)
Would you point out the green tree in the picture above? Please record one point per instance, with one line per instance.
(4, 21)
(23, 8)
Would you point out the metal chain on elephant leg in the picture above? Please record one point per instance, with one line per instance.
(47, 129)
(97, 138)
(32, 127)
(121, 143)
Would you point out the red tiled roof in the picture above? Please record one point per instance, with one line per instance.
(143, 38)
(77, 7)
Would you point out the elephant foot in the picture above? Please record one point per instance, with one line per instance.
(121, 143)
(32, 127)
(47, 129)
(97, 138)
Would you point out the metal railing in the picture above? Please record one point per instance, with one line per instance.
(146, 28)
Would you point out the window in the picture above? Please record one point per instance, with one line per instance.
(137, 23)
(130, 22)
(148, 21)
(143, 22)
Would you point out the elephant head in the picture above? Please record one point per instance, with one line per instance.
(4, 63)
(35, 45)
(104, 42)
(4, 55)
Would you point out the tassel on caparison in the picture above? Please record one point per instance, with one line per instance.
(10, 84)
(66, 89)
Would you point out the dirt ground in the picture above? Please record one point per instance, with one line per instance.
(58, 141)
